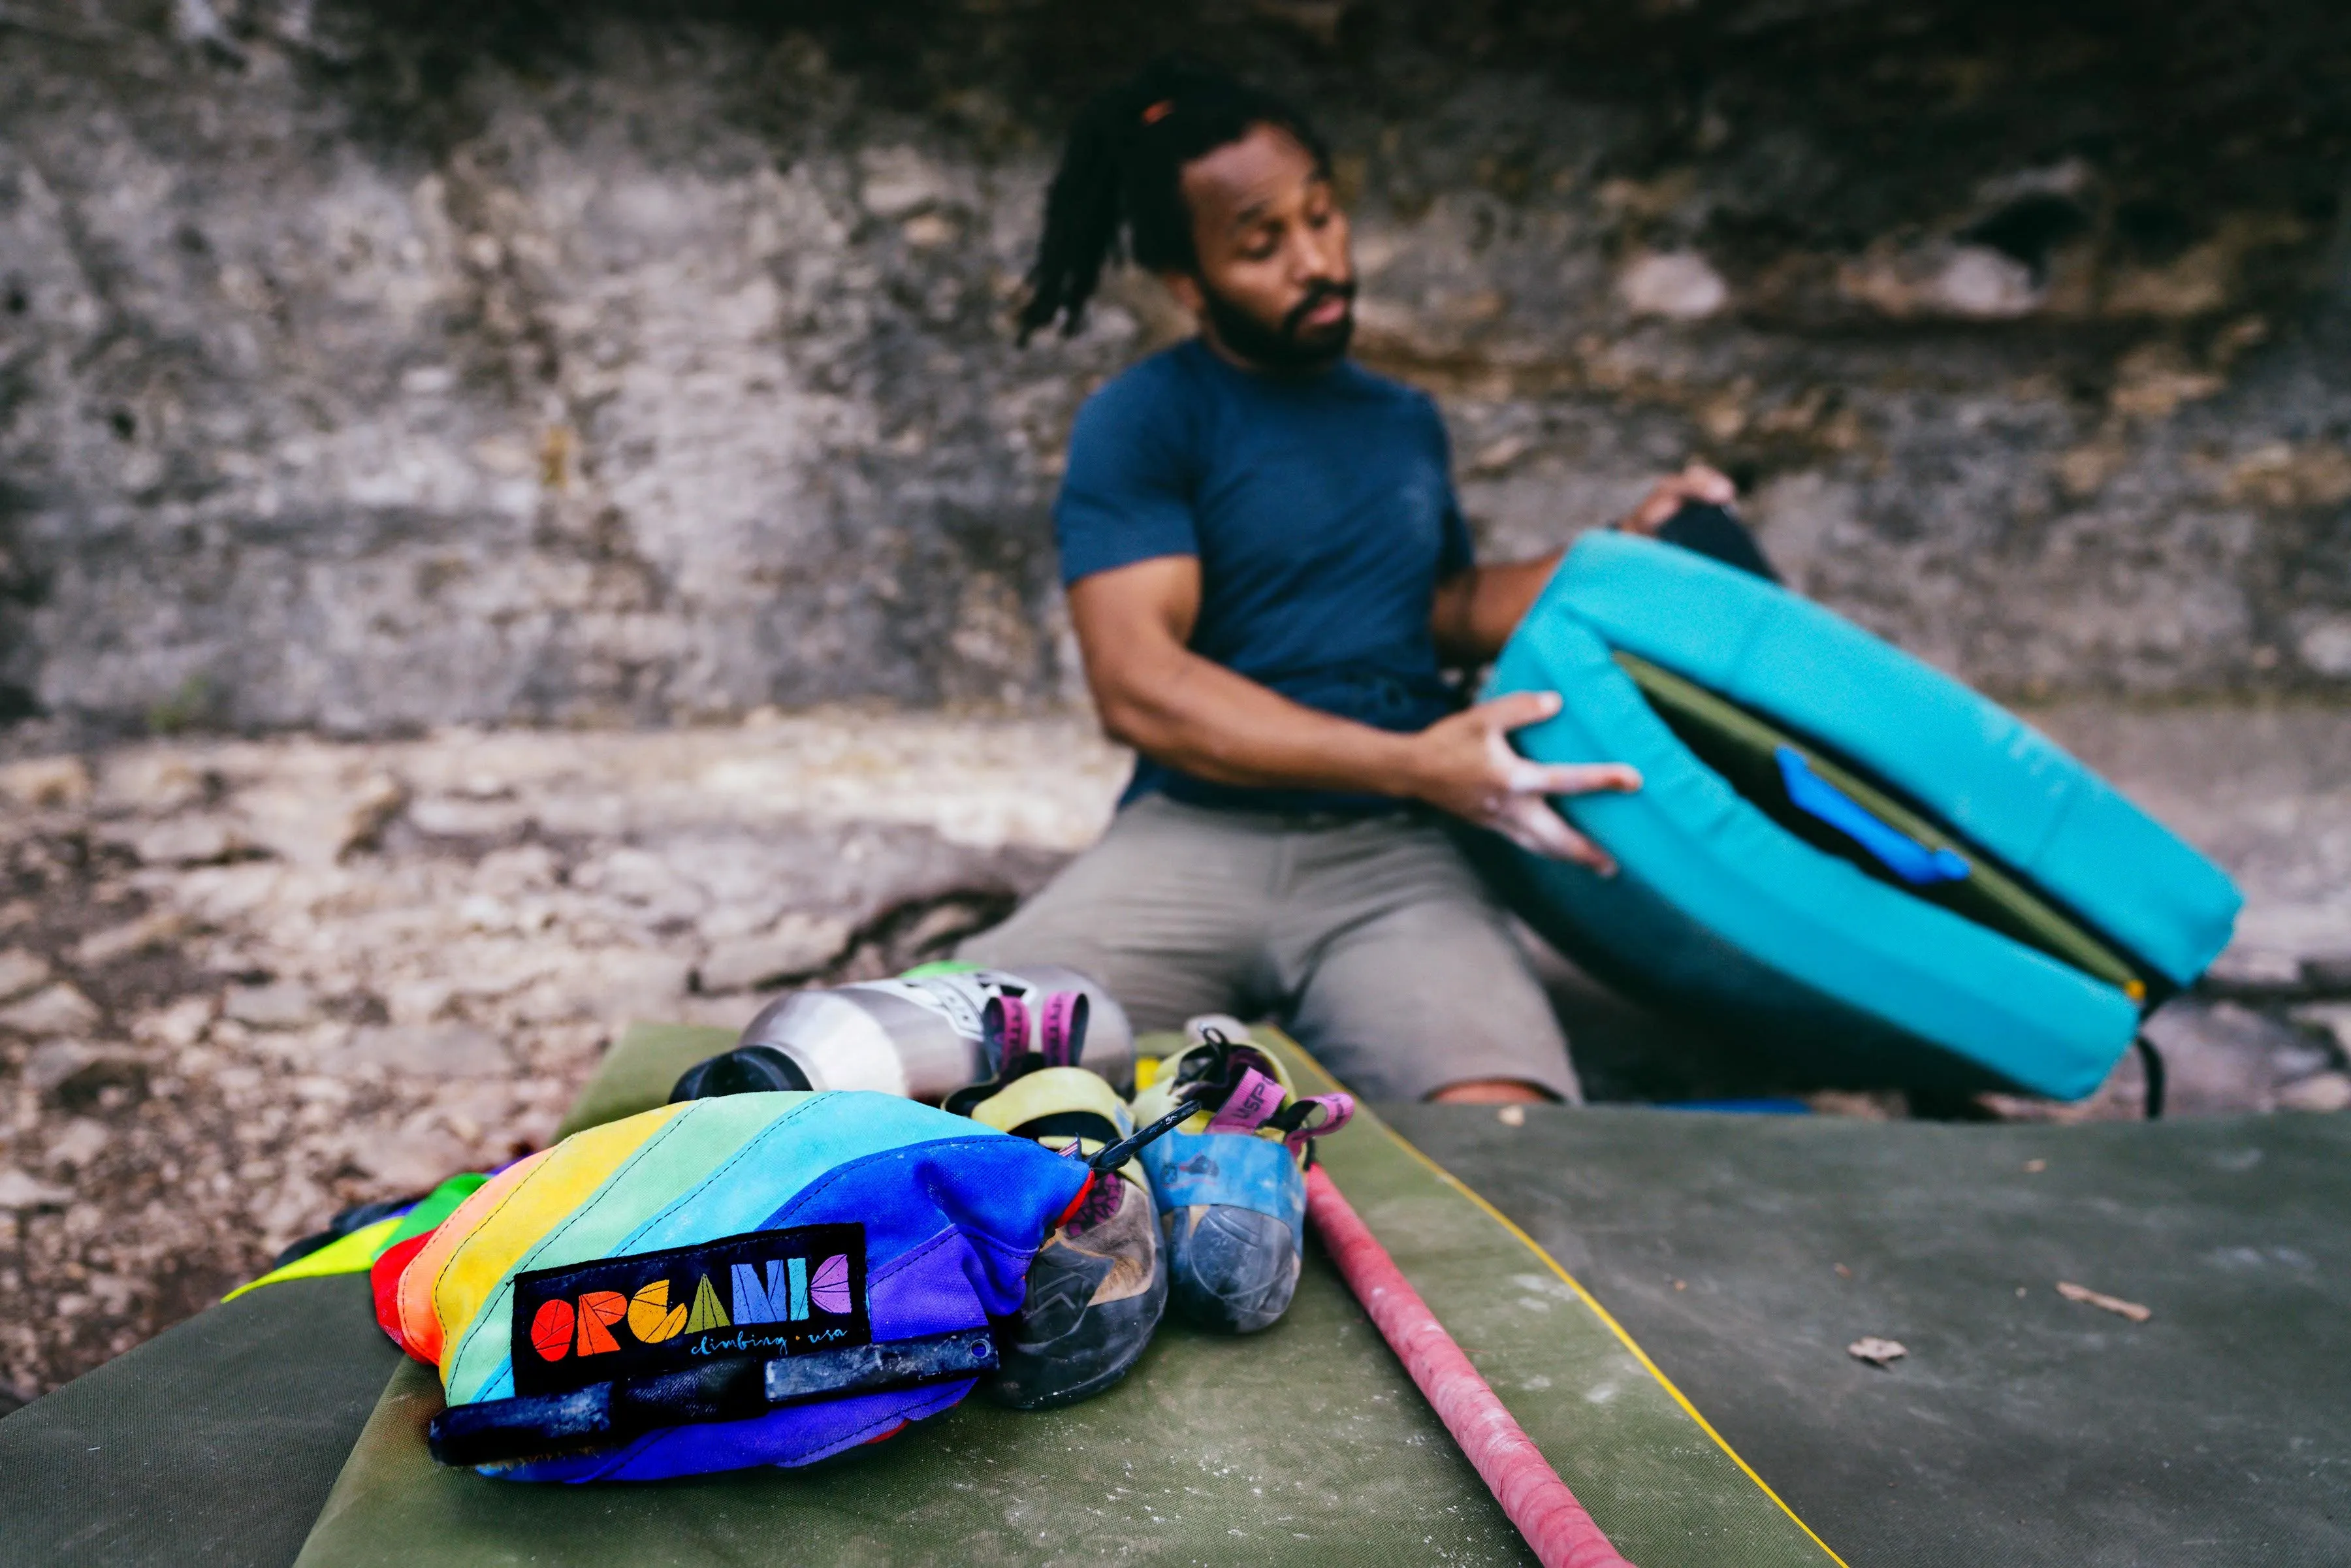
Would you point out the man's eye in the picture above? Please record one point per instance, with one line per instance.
(1260, 248)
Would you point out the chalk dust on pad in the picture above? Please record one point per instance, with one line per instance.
(2022, 1428)
(1338, 1459)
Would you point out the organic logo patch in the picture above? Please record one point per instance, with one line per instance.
(766, 1293)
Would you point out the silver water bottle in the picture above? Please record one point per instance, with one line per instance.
(919, 1035)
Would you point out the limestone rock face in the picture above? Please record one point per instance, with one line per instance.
(371, 368)
(204, 1057)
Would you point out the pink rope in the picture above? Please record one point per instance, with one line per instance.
(1554, 1525)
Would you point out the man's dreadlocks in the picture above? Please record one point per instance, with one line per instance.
(1122, 170)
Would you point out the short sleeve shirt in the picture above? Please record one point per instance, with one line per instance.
(1322, 511)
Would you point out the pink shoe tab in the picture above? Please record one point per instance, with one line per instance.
(1003, 1032)
(1253, 1100)
(1062, 1028)
(1336, 1110)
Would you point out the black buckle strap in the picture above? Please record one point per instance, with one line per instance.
(731, 1388)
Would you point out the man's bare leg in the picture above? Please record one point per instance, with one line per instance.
(1492, 1092)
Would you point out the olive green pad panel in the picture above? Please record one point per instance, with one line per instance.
(215, 1442)
(2019, 1429)
(1305, 1443)
(639, 1071)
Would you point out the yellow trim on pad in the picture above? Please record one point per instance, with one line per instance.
(1623, 1337)
(1629, 1342)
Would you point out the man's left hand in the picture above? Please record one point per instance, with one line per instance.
(1668, 495)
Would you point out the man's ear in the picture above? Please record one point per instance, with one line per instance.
(1185, 290)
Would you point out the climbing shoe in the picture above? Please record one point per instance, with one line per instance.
(1231, 1184)
(1099, 1283)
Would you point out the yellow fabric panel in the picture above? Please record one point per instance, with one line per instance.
(571, 1175)
(345, 1255)
(420, 1331)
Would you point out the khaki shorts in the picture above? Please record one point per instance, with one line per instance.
(1369, 939)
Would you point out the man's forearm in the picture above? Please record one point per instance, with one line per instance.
(1477, 612)
(1198, 716)
(1225, 727)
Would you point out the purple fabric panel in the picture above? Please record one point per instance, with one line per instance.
(936, 1289)
(800, 1435)
(999, 1194)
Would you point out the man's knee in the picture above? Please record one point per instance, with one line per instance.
(1411, 1020)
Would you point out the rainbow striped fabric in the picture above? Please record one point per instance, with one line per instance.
(941, 1217)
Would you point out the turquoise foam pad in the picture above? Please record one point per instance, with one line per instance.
(1720, 911)
(1989, 776)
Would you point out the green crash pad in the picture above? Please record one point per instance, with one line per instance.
(1306, 1443)
(2020, 1429)
(2025, 1430)
(213, 1443)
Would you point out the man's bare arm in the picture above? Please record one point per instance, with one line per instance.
(1157, 696)
(1477, 610)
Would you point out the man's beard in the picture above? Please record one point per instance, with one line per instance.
(1291, 346)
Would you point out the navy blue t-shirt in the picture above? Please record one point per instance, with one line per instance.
(1322, 511)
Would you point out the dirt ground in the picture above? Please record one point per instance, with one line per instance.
(243, 984)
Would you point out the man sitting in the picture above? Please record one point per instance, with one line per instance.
(1268, 576)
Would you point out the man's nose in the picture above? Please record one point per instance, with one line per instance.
(1316, 257)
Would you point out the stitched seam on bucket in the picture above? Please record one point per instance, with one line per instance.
(506, 1283)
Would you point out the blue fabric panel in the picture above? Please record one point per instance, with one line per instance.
(1721, 907)
(827, 1132)
(1899, 854)
(800, 1435)
(1993, 779)
(986, 1199)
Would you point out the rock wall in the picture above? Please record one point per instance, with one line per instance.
(374, 367)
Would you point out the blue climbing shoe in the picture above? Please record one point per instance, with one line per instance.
(1231, 1186)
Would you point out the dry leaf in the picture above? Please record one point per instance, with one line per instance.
(2114, 1304)
(1878, 1352)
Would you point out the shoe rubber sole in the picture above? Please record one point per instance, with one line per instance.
(1096, 1292)
(1230, 1269)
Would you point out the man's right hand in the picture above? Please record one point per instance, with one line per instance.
(1465, 765)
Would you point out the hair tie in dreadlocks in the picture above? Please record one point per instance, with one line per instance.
(1123, 171)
